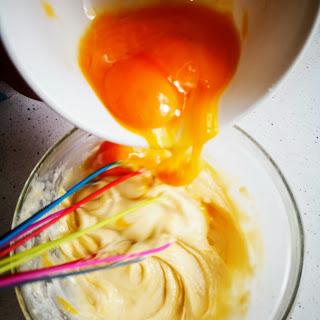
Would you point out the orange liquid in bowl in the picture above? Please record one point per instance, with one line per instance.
(160, 71)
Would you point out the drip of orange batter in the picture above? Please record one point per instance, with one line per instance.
(160, 71)
(48, 9)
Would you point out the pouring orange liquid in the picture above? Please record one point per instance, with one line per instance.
(160, 71)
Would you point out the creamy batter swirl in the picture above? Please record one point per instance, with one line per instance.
(202, 276)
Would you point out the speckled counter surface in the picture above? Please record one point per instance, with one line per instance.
(287, 124)
(27, 129)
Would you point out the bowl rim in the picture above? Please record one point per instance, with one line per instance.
(286, 305)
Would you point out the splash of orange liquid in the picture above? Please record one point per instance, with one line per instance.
(48, 9)
(160, 71)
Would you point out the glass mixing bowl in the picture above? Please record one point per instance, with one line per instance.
(255, 176)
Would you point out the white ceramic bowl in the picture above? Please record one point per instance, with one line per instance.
(45, 52)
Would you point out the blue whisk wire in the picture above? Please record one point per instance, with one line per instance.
(6, 238)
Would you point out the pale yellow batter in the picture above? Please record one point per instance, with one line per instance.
(204, 275)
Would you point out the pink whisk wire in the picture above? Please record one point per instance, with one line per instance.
(34, 275)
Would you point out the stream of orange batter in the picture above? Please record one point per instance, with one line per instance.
(160, 71)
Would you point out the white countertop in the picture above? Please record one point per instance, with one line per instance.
(286, 124)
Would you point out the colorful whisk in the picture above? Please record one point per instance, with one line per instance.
(38, 223)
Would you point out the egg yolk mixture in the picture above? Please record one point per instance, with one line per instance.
(160, 71)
